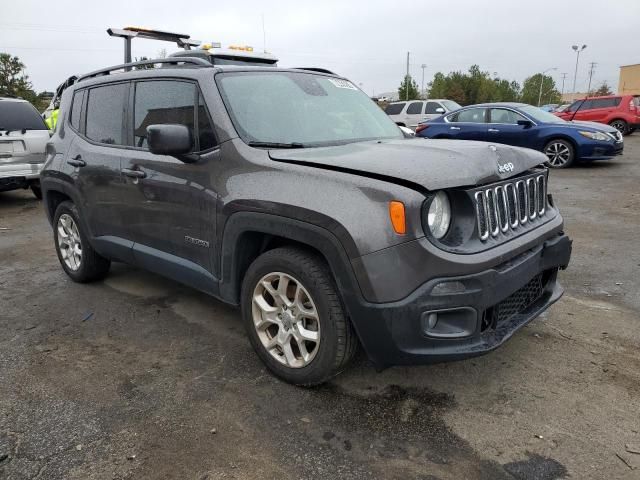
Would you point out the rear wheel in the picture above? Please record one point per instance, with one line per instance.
(78, 258)
(560, 153)
(294, 317)
(621, 126)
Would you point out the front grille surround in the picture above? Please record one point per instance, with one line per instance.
(508, 206)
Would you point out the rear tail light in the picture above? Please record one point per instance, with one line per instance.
(421, 127)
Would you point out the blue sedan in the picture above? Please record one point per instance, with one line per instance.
(523, 125)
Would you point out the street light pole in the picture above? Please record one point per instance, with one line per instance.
(542, 81)
(423, 66)
(575, 75)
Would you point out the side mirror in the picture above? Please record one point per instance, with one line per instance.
(171, 139)
(440, 110)
(525, 123)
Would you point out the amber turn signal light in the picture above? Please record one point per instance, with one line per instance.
(396, 213)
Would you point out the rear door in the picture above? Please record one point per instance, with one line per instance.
(171, 205)
(414, 114)
(468, 124)
(601, 108)
(94, 158)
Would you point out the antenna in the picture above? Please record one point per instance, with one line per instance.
(264, 36)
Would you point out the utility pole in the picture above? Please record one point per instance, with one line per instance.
(406, 80)
(576, 49)
(592, 68)
(564, 75)
(423, 66)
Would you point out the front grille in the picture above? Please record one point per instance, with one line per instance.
(515, 303)
(510, 205)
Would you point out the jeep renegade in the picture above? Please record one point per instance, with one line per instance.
(291, 194)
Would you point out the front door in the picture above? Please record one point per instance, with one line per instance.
(171, 205)
(503, 128)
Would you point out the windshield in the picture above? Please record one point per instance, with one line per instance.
(305, 109)
(451, 105)
(19, 116)
(540, 115)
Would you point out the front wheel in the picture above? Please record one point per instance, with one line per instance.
(294, 317)
(560, 153)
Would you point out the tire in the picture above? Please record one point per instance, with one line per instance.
(335, 343)
(90, 266)
(37, 191)
(620, 125)
(631, 130)
(560, 153)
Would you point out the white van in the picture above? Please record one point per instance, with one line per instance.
(412, 112)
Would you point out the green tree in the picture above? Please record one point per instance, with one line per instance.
(473, 86)
(408, 89)
(13, 80)
(603, 89)
(531, 90)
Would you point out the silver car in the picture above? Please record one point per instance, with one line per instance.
(411, 113)
(23, 139)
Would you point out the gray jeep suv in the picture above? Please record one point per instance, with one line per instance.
(289, 193)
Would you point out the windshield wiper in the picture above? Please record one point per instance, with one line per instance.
(276, 145)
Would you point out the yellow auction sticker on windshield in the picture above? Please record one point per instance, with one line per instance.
(342, 83)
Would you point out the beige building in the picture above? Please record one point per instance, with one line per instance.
(629, 83)
(570, 97)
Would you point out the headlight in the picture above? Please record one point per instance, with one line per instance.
(439, 215)
(596, 135)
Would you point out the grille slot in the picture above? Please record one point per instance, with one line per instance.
(508, 205)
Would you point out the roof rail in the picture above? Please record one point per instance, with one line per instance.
(198, 62)
(316, 69)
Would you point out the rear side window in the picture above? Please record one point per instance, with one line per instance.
(105, 114)
(20, 115)
(605, 102)
(472, 115)
(76, 109)
(415, 108)
(394, 108)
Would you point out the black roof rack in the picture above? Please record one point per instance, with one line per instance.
(129, 33)
(198, 62)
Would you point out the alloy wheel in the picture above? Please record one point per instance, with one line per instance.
(286, 319)
(620, 126)
(69, 242)
(558, 154)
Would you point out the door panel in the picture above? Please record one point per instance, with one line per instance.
(503, 128)
(468, 124)
(414, 113)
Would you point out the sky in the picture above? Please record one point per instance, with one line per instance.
(366, 42)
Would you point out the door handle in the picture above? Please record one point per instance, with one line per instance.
(493, 130)
(454, 128)
(133, 173)
(77, 161)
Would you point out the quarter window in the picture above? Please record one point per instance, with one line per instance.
(76, 109)
(394, 108)
(414, 108)
(105, 113)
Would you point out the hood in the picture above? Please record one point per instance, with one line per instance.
(601, 127)
(421, 164)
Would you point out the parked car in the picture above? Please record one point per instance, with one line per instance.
(524, 125)
(549, 107)
(409, 114)
(561, 108)
(23, 137)
(619, 111)
(291, 194)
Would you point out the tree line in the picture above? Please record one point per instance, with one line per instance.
(14, 82)
(477, 86)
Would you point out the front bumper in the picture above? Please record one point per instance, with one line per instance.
(398, 333)
(600, 150)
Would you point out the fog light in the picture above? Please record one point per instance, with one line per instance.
(432, 319)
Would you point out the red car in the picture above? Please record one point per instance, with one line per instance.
(619, 111)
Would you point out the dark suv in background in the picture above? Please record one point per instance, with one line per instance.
(291, 194)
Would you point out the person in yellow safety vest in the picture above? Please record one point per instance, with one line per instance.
(52, 120)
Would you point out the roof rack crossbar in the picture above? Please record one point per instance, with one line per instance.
(198, 62)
